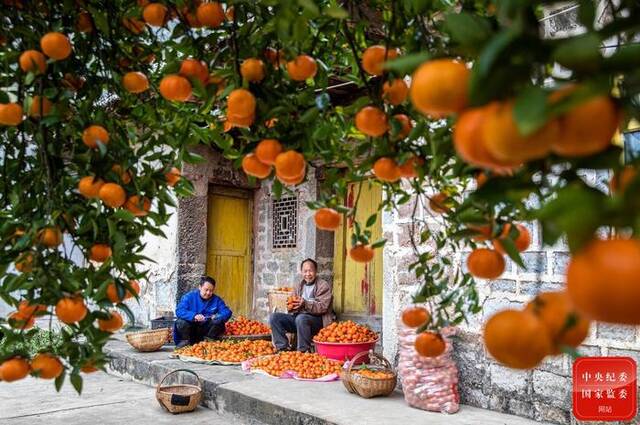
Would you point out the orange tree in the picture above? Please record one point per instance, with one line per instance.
(455, 107)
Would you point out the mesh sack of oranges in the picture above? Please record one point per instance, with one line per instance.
(242, 326)
(345, 332)
(296, 365)
(225, 352)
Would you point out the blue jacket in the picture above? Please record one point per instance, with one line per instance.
(214, 308)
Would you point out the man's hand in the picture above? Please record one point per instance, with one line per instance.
(296, 304)
(199, 318)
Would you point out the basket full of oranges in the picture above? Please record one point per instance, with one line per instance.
(343, 340)
(375, 379)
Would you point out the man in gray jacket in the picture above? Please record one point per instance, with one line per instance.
(310, 314)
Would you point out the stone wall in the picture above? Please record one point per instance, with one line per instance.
(281, 266)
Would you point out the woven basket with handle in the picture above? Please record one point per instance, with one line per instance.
(179, 398)
(368, 387)
(149, 340)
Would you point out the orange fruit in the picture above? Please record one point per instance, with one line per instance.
(124, 175)
(241, 107)
(84, 23)
(72, 82)
(112, 324)
(327, 219)
(252, 166)
(193, 68)
(565, 325)
(521, 242)
(505, 142)
(439, 88)
(134, 25)
(88, 368)
(46, 366)
(210, 14)
(268, 150)
(252, 70)
(71, 310)
(34, 61)
(135, 287)
(302, 68)
(372, 121)
(361, 253)
(20, 321)
(25, 263)
(14, 369)
(415, 317)
(408, 169)
(438, 203)
(155, 14)
(517, 339)
(138, 206)
(40, 106)
(386, 170)
(135, 82)
(55, 45)
(430, 344)
(373, 58)
(100, 252)
(470, 144)
(588, 127)
(10, 114)
(89, 186)
(50, 237)
(483, 232)
(407, 126)
(94, 134)
(275, 57)
(230, 13)
(395, 92)
(297, 179)
(290, 164)
(173, 176)
(26, 309)
(603, 281)
(622, 178)
(113, 195)
(175, 87)
(485, 263)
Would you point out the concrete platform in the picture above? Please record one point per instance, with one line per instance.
(260, 399)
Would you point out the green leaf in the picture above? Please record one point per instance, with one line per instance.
(309, 6)
(511, 250)
(407, 64)
(125, 215)
(309, 115)
(371, 220)
(76, 381)
(4, 98)
(530, 110)
(60, 380)
(379, 243)
(469, 30)
(580, 53)
(336, 12)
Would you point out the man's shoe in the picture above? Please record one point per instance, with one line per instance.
(282, 350)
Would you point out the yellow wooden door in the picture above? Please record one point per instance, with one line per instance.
(228, 247)
(357, 286)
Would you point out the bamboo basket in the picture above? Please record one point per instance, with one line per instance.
(179, 398)
(367, 387)
(147, 341)
(278, 301)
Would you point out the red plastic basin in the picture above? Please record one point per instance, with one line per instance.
(344, 351)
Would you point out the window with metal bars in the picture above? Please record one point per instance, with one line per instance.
(285, 222)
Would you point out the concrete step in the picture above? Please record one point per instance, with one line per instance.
(260, 399)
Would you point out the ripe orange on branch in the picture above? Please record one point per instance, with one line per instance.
(430, 344)
(522, 241)
(193, 68)
(173, 176)
(175, 87)
(10, 114)
(113, 195)
(155, 14)
(135, 82)
(252, 70)
(14, 369)
(138, 206)
(112, 324)
(485, 263)
(327, 219)
(55, 45)
(241, 108)
(290, 164)
(386, 170)
(46, 366)
(395, 92)
(34, 61)
(373, 58)
(40, 107)
(361, 253)
(100, 252)
(440, 88)
(94, 134)
(71, 310)
(89, 186)
(414, 317)
(210, 14)
(302, 68)
(252, 166)
(372, 121)
(268, 150)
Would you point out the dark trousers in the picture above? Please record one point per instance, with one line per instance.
(194, 332)
(304, 325)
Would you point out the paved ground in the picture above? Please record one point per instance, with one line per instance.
(105, 400)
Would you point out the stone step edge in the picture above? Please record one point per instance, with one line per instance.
(215, 396)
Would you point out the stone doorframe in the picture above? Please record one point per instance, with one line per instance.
(192, 214)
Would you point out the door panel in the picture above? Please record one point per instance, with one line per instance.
(358, 287)
(228, 248)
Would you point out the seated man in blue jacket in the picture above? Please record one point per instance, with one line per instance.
(200, 314)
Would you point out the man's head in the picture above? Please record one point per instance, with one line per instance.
(309, 269)
(207, 287)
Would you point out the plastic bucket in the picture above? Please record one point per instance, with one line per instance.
(344, 351)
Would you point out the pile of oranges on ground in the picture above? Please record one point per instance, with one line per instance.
(345, 332)
(228, 351)
(243, 326)
(305, 365)
(373, 374)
